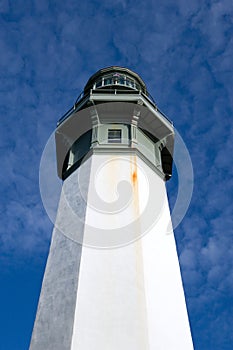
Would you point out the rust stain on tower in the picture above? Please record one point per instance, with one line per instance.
(134, 172)
(134, 177)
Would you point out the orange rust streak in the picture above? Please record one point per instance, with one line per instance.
(134, 180)
(134, 177)
(134, 174)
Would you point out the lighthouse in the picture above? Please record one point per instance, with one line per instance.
(112, 279)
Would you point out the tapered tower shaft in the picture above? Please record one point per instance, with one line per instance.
(112, 279)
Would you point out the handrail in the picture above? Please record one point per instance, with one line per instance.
(154, 104)
(147, 96)
(72, 109)
(65, 116)
(79, 97)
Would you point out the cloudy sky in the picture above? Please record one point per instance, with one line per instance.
(183, 50)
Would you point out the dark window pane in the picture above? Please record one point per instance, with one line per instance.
(129, 82)
(121, 81)
(107, 81)
(99, 83)
(114, 135)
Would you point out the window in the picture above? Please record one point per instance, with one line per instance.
(107, 81)
(114, 135)
(99, 83)
(130, 82)
(121, 81)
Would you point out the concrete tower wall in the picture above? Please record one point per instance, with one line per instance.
(118, 290)
(53, 326)
(130, 297)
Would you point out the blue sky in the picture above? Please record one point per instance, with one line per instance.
(183, 50)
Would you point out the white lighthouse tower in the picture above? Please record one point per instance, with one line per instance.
(112, 280)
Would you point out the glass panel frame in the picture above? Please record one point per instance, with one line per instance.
(114, 135)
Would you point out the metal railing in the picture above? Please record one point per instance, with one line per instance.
(115, 91)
